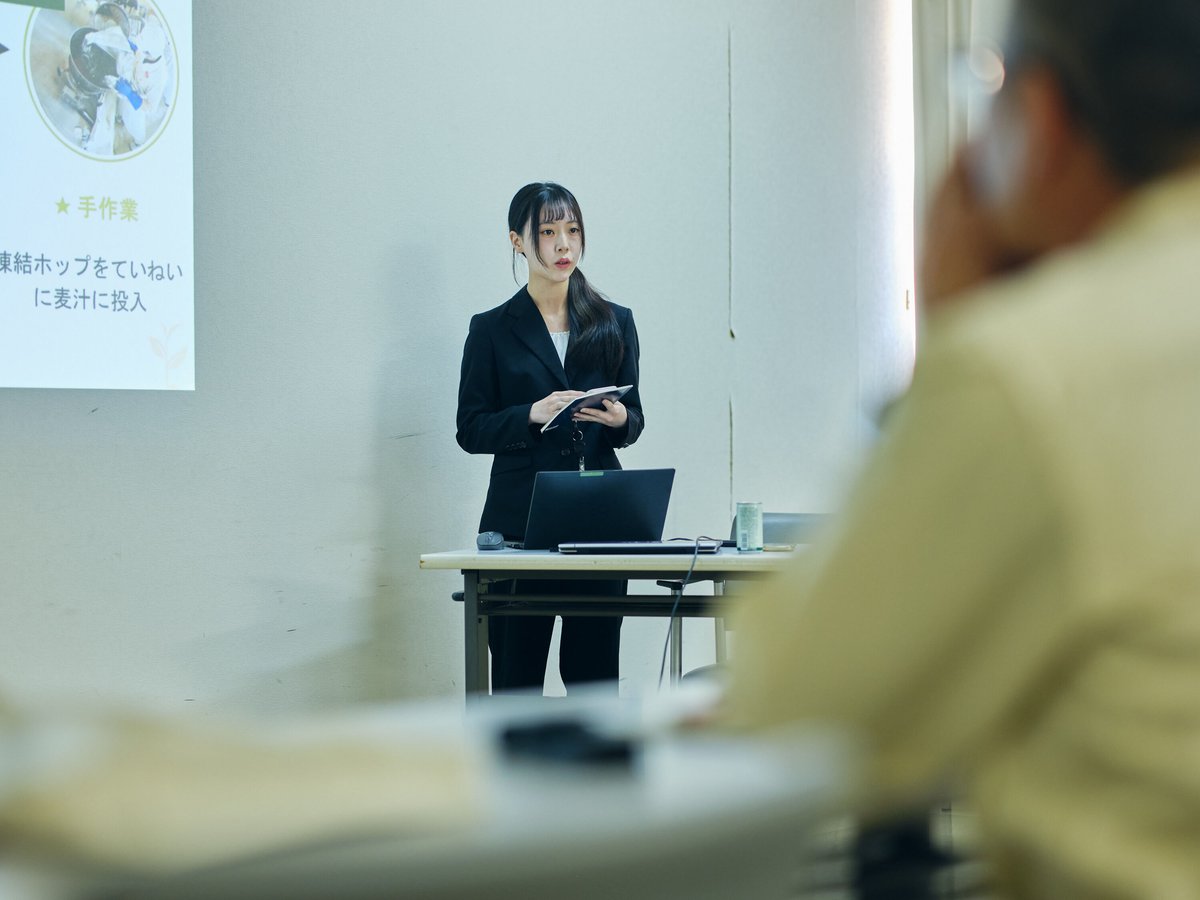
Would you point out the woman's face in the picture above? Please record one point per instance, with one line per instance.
(559, 246)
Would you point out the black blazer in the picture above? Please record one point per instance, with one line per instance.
(509, 363)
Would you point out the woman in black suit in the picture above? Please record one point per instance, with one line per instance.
(523, 361)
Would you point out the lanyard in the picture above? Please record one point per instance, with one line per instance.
(577, 444)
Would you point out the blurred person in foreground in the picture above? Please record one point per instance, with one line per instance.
(1009, 604)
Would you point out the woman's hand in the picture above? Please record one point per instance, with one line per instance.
(547, 408)
(613, 414)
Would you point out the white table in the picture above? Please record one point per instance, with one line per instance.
(483, 569)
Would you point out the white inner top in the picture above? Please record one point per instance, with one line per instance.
(560, 339)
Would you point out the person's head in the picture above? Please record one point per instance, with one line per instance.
(1100, 97)
(545, 225)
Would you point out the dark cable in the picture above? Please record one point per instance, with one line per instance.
(674, 607)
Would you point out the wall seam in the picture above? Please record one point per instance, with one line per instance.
(729, 234)
(729, 171)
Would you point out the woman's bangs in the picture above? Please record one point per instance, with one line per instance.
(556, 207)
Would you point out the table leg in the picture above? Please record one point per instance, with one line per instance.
(475, 637)
(676, 649)
(719, 625)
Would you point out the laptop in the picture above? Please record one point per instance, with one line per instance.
(602, 505)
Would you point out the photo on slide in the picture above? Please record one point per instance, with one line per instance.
(102, 75)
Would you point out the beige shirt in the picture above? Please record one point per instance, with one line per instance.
(1011, 598)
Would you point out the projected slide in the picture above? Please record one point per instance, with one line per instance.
(97, 284)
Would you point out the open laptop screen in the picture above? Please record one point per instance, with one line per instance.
(604, 505)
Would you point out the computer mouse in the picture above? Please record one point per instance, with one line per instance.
(490, 540)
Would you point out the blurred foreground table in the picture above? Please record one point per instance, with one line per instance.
(695, 815)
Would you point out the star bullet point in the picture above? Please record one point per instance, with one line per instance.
(62, 205)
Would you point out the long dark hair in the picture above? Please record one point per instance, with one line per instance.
(595, 336)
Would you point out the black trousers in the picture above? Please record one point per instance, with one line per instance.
(589, 650)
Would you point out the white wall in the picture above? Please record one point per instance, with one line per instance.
(254, 545)
(822, 240)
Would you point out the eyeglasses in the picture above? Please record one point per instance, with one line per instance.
(975, 79)
(978, 75)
